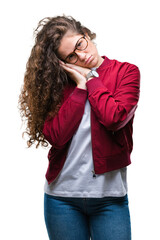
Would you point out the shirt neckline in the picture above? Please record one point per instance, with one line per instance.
(105, 63)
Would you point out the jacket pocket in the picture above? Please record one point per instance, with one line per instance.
(119, 138)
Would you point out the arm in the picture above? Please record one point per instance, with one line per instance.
(115, 110)
(60, 129)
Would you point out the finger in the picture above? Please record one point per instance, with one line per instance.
(66, 68)
(72, 66)
(61, 62)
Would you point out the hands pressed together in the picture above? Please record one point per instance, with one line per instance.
(76, 73)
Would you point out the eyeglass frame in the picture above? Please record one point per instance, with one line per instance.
(77, 49)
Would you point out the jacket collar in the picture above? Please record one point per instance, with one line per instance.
(105, 63)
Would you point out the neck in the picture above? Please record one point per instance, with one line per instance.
(100, 61)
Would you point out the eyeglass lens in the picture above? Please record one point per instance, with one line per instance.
(81, 45)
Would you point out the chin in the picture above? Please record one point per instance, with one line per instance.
(94, 63)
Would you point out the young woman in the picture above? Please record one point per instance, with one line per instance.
(83, 104)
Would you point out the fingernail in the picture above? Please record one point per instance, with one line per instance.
(61, 62)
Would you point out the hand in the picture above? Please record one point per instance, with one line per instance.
(82, 70)
(77, 74)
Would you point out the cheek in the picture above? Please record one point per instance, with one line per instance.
(93, 49)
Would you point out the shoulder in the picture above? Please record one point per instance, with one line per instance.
(124, 67)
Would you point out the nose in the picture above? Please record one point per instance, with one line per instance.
(81, 55)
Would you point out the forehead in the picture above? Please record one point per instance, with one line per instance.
(68, 43)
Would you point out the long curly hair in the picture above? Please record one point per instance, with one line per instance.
(44, 80)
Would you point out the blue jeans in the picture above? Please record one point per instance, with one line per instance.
(105, 218)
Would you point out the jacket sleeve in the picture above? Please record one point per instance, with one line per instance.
(114, 110)
(60, 129)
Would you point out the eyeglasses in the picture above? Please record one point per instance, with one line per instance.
(81, 45)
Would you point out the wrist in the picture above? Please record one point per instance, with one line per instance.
(89, 79)
(92, 73)
(82, 85)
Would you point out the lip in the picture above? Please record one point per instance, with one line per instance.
(89, 59)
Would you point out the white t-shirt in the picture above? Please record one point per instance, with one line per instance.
(76, 177)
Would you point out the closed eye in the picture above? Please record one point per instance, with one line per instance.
(72, 55)
(79, 44)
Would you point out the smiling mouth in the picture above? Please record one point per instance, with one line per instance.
(88, 60)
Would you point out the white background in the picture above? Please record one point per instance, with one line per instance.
(126, 31)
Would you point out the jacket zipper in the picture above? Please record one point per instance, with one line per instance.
(94, 175)
(93, 171)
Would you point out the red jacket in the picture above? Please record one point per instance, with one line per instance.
(113, 97)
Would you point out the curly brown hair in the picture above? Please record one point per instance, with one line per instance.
(44, 80)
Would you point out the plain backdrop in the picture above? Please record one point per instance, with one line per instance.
(126, 31)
